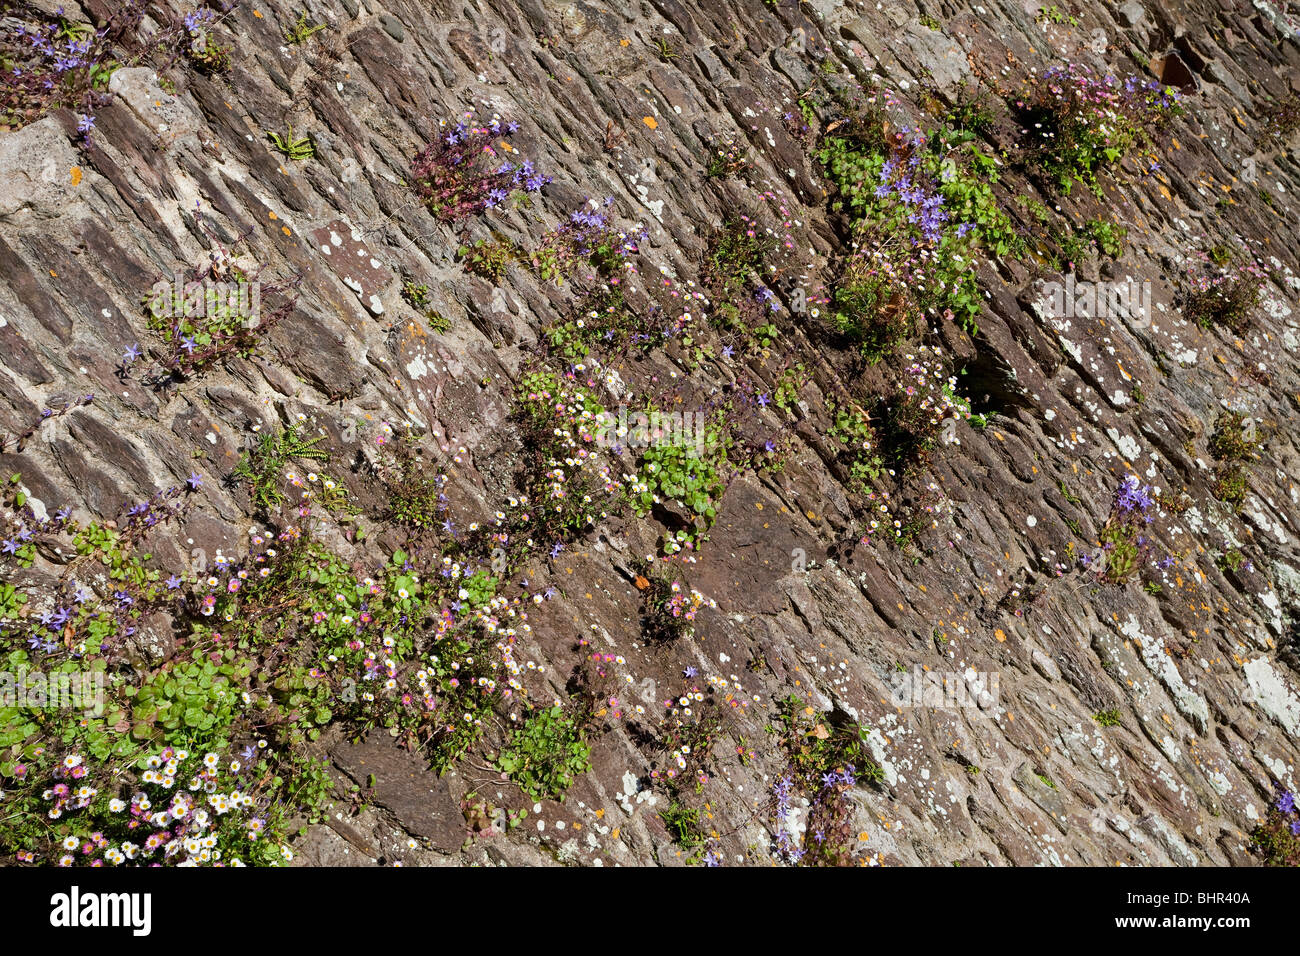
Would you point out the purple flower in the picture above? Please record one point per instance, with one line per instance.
(10, 547)
(85, 124)
(1286, 802)
(690, 671)
(555, 551)
(132, 353)
(195, 481)
(712, 859)
(187, 343)
(173, 583)
(1133, 496)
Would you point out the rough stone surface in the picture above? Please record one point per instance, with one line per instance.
(1200, 672)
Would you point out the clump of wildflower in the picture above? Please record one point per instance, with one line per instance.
(463, 171)
(1125, 545)
(670, 608)
(1225, 296)
(54, 63)
(1277, 838)
(587, 236)
(1080, 121)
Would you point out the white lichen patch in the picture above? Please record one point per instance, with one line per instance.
(1271, 693)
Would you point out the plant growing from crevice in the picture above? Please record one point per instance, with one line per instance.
(586, 238)
(1108, 236)
(47, 63)
(262, 467)
(1079, 123)
(668, 608)
(217, 309)
(688, 475)
(1232, 444)
(545, 753)
(297, 148)
(302, 29)
(726, 159)
(462, 172)
(826, 756)
(921, 209)
(488, 258)
(416, 492)
(417, 297)
(1225, 295)
(1277, 839)
(199, 44)
(851, 429)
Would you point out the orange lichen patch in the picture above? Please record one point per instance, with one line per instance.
(285, 230)
(624, 42)
(1000, 635)
(75, 175)
(258, 14)
(615, 833)
(271, 215)
(651, 122)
